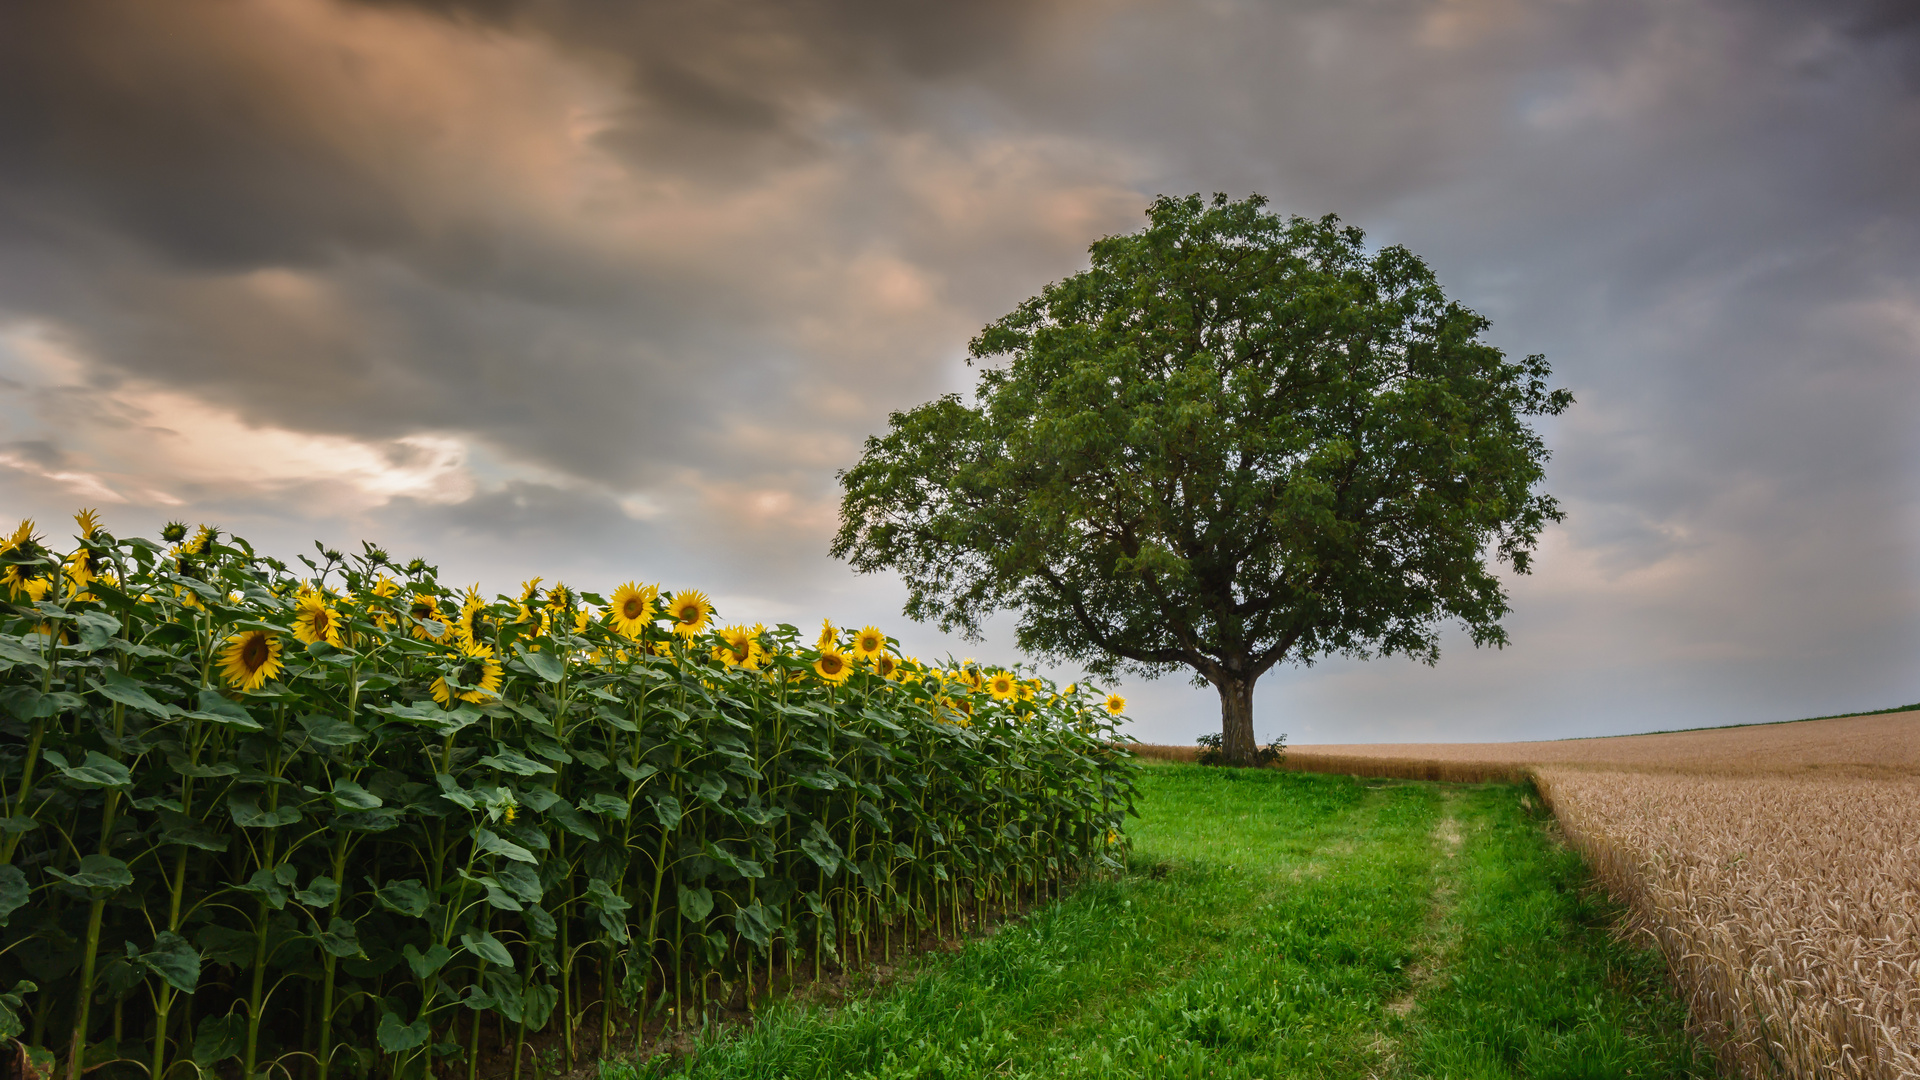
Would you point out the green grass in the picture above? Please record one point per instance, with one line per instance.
(1272, 924)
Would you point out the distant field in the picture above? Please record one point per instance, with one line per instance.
(1882, 745)
(1777, 865)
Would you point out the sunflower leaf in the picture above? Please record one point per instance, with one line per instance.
(545, 665)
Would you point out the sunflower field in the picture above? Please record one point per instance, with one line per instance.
(347, 821)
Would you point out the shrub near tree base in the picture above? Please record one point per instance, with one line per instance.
(353, 821)
(1273, 753)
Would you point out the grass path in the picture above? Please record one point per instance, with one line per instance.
(1274, 924)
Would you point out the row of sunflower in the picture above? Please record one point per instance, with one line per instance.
(342, 819)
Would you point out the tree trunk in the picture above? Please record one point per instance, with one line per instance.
(1236, 720)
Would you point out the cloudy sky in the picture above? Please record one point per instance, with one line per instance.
(605, 290)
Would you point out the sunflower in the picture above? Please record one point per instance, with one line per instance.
(738, 648)
(827, 634)
(869, 643)
(1001, 686)
(885, 666)
(1025, 690)
(632, 609)
(376, 601)
(316, 621)
(475, 624)
(21, 579)
(832, 665)
(1116, 704)
(251, 658)
(690, 610)
(529, 600)
(424, 609)
(89, 522)
(188, 598)
(477, 672)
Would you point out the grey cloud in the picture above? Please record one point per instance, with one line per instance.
(1704, 213)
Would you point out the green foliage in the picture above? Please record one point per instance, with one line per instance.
(361, 820)
(1272, 925)
(1234, 440)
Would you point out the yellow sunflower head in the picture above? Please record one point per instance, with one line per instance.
(19, 580)
(869, 643)
(476, 673)
(833, 665)
(886, 666)
(424, 609)
(384, 586)
(1116, 704)
(315, 621)
(82, 567)
(89, 522)
(690, 611)
(1001, 685)
(251, 659)
(828, 635)
(631, 609)
(475, 625)
(1025, 690)
(737, 648)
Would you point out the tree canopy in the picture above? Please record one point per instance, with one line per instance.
(1235, 439)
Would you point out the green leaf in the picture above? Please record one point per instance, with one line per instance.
(539, 923)
(174, 959)
(341, 939)
(246, 813)
(348, 795)
(512, 761)
(321, 892)
(220, 710)
(407, 897)
(14, 892)
(329, 731)
(266, 884)
(96, 771)
(218, 1038)
(451, 790)
(425, 964)
(11, 649)
(488, 948)
(179, 828)
(520, 880)
(117, 687)
(604, 803)
(395, 1036)
(563, 814)
(545, 665)
(11, 1003)
(493, 844)
(96, 629)
(696, 903)
(755, 923)
(667, 809)
(100, 875)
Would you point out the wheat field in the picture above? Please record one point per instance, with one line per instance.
(1777, 866)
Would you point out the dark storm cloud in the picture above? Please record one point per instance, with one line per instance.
(648, 272)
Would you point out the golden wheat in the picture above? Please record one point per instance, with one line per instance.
(1787, 906)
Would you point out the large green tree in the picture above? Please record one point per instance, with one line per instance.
(1236, 439)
